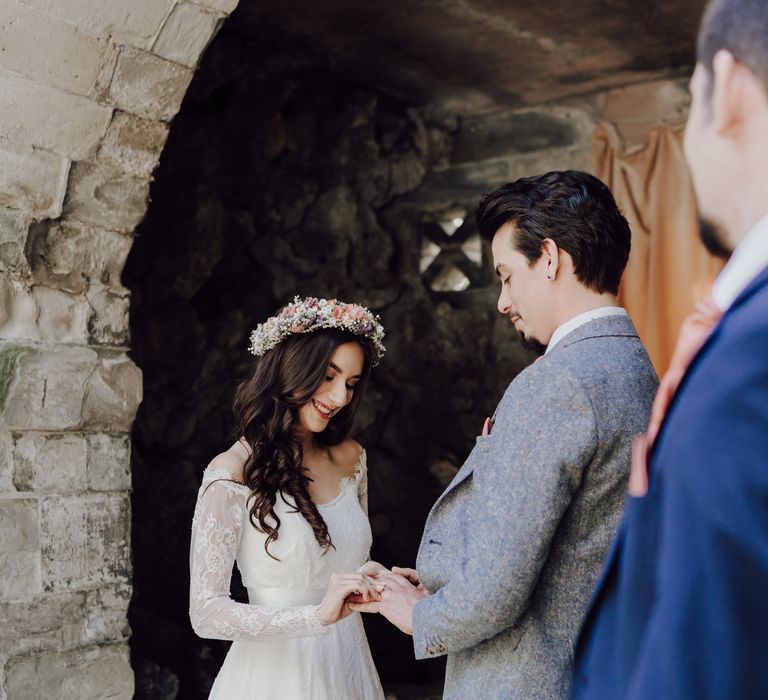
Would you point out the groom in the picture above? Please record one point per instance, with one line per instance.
(513, 547)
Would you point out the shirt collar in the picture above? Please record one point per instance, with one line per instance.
(748, 260)
(572, 324)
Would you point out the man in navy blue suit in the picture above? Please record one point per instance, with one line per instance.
(681, 610)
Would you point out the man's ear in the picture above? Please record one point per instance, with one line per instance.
(732, 84)
(551, 254)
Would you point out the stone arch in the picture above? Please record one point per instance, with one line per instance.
(292, 180)
(88, 89)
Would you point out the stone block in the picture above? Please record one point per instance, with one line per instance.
(20, 574)
(6, 462)
(31, 180)
(94, 673)
(52, 463)
(70, 60)
(45, 389)
(19, 525)
(133, 143)
(113, 394)
(108, 324)
(42, 623)
(107, 255)
(332, 222)
(45, 117)
(185, 34)
(19, 548)
(107, 613)
(136, 22)
(13, 235)
(18, 310)
(109, 462)
(68, 255)
(511, 133)
(223, 6)
(105, 196)
(10, 355)
(43, 313)
(85, 541)
(58, 254)
(407, 173)
(148, 86)
(62, 317)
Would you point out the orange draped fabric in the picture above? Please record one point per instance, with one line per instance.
(668, 269)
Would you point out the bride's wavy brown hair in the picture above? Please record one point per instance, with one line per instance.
(266, 410)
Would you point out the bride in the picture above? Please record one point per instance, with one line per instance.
(288, 502)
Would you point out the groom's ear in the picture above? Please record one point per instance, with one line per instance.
(551, 254)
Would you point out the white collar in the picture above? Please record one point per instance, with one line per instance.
(748, 260)
(572, 324)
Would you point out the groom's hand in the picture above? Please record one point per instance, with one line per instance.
(411, 574)
(398, 599)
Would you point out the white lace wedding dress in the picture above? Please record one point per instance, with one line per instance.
(281, 650)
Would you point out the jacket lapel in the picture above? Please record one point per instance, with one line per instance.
(463, 474)
(752, 288)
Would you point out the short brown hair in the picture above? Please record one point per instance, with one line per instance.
(575, 210)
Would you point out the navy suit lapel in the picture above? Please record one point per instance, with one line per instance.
(752, 288)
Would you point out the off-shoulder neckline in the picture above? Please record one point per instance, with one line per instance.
(345, 481)
(221, 474)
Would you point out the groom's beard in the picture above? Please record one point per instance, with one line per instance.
(532, 344)
(713, 238)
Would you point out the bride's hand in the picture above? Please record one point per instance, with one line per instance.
(373, 569)
(334, 604)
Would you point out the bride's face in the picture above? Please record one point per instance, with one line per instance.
(337, 389)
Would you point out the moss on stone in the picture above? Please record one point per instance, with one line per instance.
(9, 360)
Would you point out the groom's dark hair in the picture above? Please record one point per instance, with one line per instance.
(740, 27)
(575, 210)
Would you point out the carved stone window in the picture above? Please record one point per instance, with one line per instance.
(453, 256)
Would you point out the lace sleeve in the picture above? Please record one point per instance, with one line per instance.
(216, 530)
(362, 482)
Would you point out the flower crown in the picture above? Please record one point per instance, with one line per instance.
(312, 314)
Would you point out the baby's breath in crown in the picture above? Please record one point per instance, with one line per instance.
(312, 314)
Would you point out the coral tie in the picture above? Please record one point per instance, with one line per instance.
(694, 331)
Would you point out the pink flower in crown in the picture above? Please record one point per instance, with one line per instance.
(355, 312)
(296, 328)
(338, 312)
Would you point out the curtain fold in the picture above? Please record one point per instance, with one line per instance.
(668, 269)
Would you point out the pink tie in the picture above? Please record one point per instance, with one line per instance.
(694, 331)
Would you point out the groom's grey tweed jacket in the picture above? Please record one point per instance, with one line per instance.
(514, 546)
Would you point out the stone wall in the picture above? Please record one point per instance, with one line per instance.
(87, 88)
(502, 146)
